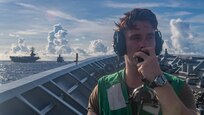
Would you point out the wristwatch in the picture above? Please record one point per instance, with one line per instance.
(159, 81)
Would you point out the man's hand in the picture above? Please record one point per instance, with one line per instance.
(149, 68)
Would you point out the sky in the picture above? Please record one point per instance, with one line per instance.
(86, 27)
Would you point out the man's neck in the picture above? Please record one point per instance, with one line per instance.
(133, 78)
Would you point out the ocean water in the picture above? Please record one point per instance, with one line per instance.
(11, 71)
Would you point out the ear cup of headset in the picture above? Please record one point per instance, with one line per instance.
(119, 43)
(159, 42)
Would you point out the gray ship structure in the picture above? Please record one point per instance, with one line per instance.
(65, 90)
(25, 59)
(60, 58)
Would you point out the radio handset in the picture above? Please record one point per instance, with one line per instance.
(139, 59)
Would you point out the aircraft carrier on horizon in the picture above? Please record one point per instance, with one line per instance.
(25, 59)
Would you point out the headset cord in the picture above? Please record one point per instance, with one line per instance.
(140, 106)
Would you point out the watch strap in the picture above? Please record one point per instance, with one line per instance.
(153, 85)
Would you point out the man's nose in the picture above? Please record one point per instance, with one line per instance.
(143, 43)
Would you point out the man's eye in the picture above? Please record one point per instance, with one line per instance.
(135, 38)
(150, 37)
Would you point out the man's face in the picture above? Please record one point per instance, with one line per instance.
(140, 36)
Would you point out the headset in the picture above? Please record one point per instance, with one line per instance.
(119, 42)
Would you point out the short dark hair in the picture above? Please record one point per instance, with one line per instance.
(137, 14)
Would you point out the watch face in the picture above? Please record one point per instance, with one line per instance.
(160, 80)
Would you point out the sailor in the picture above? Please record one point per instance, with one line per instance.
(141, 88)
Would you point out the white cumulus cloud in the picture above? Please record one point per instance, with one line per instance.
(97, 46)
(183, 40)
(20, 47)
(57, 41)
